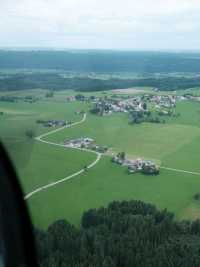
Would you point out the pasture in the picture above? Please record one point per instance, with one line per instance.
(107, 182)
(175, 144)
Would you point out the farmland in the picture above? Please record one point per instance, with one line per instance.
(174, 144)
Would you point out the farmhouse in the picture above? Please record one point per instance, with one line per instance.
(100, 149)
(79, 142)
(52, 123)
(144, 166)
(137, 165)
(194, 98)
(70, 98)
(85, 142)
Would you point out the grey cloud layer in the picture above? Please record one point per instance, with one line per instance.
(130, 24)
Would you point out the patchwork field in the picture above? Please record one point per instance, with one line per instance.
(175, 144)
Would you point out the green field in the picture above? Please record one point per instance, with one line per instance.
(107, 182)
(175, 144)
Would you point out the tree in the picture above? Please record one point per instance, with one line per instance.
(197, 196)
(49, 94)
(80, 97)
(30, 134)
(108, 262)
(144, 106)
(85, 168)
(121, 155)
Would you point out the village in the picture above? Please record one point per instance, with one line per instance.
(142, 108)
(108, 105)
(146, 108)
(136, 165)
(136, 106)
(158, 105)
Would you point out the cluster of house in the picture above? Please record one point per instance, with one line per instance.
(52, 123)
(78, 97)
(134, 103)
(111, 105)
(137, 165)
(163, 101)
(192, 97)
(70, 98)
(79, 142)
(85, 142)
(138, 104)
(108, 105)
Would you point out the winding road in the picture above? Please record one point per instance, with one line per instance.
(39, 138)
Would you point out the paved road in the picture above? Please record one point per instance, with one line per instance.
(39, 138)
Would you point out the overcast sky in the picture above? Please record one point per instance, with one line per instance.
(106, 24)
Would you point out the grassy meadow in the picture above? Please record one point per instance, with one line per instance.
(175, 144)
(107, 182)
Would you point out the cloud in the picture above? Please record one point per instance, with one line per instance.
(103, 24)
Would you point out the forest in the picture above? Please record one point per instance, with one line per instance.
(125, 234)
(101, 61)
(56, 82)
(23, 70)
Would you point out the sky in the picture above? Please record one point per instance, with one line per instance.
(102, 24)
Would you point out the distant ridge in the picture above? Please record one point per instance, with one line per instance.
(100, 60)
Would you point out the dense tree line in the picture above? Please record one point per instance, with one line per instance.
(125, 234)
(56, 82)
(101, 61)
(145, 116)
(13, 99)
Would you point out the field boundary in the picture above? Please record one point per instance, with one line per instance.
(39, 138)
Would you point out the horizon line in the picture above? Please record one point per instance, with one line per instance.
(54, 49)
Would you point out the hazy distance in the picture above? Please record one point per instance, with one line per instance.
(91, 24)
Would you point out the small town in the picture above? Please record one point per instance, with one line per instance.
(107, 106)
